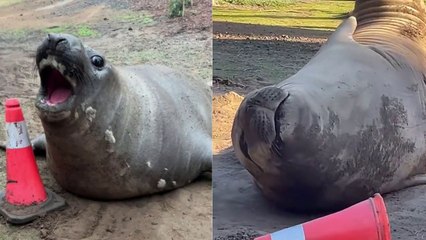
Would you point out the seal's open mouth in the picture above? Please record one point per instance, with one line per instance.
(56, 97)
(56, 89)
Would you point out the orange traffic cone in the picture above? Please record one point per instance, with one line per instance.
(366, 220)
(25, 198)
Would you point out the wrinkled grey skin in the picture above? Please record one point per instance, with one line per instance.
(350, 123)
(126, 131)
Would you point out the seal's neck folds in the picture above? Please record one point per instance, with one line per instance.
(404, 18)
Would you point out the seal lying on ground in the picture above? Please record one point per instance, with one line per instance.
(120, 132)
(351, 123)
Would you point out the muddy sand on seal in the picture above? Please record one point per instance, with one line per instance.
(128, 32)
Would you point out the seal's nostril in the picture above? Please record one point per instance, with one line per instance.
(61, 40)
(54, 40)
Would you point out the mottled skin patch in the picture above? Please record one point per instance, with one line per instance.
(350, 123)
(314, 169)
(90, 113)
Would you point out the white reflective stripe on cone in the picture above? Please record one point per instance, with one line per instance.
(292, 233)
(17, 135)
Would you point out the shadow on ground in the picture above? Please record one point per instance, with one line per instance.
(269, 31)
(249, 56)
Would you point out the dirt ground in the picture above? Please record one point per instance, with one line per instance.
(128, 32)
(247, 57)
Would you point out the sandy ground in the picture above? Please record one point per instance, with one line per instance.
(129, 32)
(246, 58)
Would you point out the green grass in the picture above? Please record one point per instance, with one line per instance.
(5, 3)
(78, 30)
(57, 29)
(86, 31)
(263, 3)
(307, 14)
(14, 34)
(140, 18)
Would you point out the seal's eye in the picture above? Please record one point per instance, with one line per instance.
(97, 61)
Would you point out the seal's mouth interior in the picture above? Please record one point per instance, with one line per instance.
(56, 88)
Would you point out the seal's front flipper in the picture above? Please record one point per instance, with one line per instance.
(38, 144)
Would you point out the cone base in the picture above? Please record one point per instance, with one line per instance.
(26, 214)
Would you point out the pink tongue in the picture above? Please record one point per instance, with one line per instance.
(59, 95)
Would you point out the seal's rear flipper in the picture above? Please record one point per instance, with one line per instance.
(345, 31)
(38, 144)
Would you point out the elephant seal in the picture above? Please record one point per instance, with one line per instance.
(350, 123)
(119, 132)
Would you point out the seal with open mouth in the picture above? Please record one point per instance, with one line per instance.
(350, 123)
(120, 132)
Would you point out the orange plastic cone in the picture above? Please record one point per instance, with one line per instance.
(24, 187)
(366, 220)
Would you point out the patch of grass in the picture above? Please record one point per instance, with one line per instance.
(78, 30)
(14, 34)
(304, 14)
(5, 3)
(261, 3)
(86, 31)
(57, 29)
(136, 17)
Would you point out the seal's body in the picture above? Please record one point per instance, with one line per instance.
(119, 132)
(351, 123)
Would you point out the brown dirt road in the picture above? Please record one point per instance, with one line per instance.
(128, 32)
(247, 57)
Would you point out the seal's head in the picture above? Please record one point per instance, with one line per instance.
(70, 74)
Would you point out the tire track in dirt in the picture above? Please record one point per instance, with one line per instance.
(98, 216)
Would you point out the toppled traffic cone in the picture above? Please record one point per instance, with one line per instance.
(25, 197)
(366, 220)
